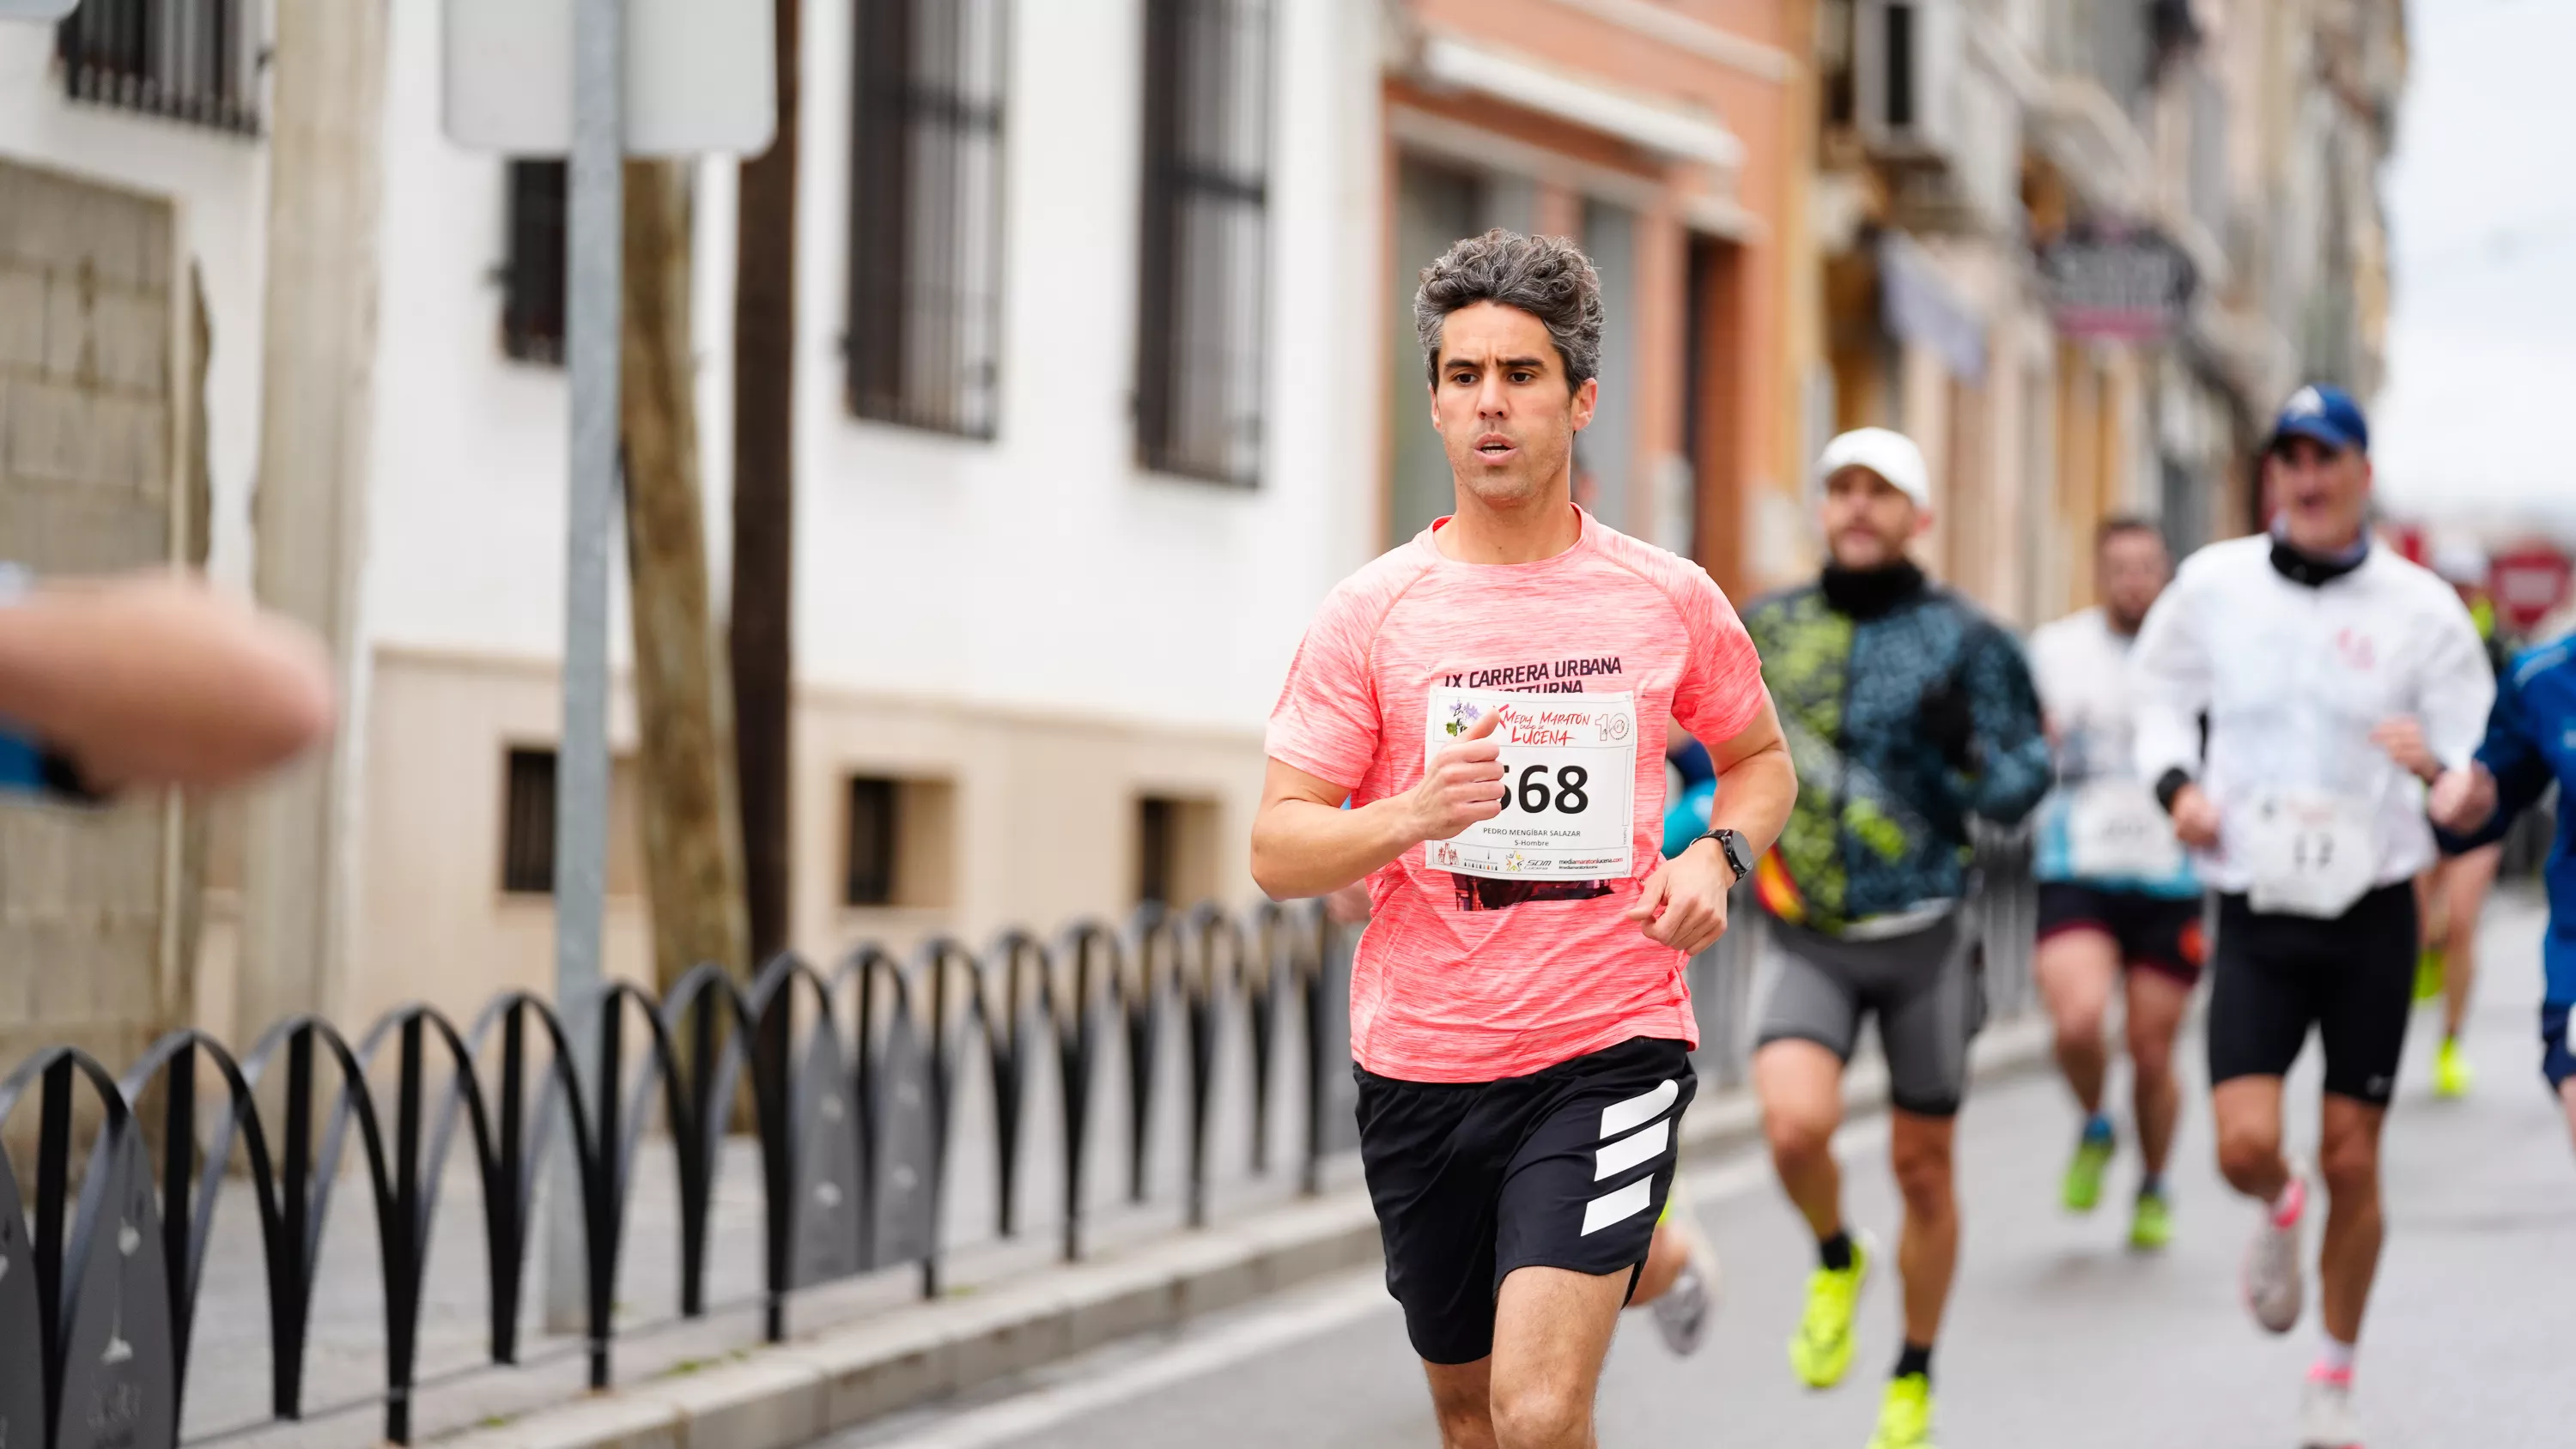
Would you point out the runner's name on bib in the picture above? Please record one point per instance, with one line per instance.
(2310, 853)
(2115, 830)
(1569, 785)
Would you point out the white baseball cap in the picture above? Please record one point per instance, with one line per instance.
(1889, 454)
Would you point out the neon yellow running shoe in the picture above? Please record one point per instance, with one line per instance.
(2428, 973)
(2083, 1186)
(1905, 1417)
(2151, 1223)
(1821, 1350)
(2451, 1074)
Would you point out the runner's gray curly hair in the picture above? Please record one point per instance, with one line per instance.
(1548, 277)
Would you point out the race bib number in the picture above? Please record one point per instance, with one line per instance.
(2116, 831)
(2310, 854)
(1569, 786)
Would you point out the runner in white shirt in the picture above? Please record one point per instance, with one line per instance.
(2321, 661)
(2119, 904)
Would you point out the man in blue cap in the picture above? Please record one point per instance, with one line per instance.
(2338, 681)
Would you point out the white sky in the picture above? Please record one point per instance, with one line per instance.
(2476, 418)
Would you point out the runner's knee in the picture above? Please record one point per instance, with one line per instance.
(1923, 1176)
(1797, 1132)
(1542, 1413)
(2078, 1022)
(2349, 1162)
(2150, 1051)
(2249, 1153)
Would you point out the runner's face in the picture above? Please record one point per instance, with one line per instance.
(2323, 494)
(1502, 407)
(2133, 570)
(1868, 520)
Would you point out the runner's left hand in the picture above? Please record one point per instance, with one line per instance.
(1683, 904)
(2403, 741)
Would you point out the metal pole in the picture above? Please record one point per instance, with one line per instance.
(592, 287)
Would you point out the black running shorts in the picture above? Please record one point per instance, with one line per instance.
(2154, 932)
(1564, 1168)
(2353, 979)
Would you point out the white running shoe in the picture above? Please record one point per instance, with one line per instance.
(1682, 1314)
(2326, 1419)
(2274, 1289)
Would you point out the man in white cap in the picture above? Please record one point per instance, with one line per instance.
(1906, 712)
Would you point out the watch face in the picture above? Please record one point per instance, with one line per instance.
(1731, 845)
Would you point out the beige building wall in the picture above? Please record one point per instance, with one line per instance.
(1009, 818)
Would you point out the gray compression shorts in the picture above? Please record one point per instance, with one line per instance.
(1926, 989)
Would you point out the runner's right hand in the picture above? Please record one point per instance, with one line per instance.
(1463, 783)
(2195, 818)
(2463, 800)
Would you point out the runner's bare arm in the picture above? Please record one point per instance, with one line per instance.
(1756, 784)
(1305, 844)
(1684, 903)
(158, 680)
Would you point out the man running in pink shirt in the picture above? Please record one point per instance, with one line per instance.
(1492, 697)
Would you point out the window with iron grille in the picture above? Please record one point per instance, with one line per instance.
(925, 331)
(528, 823)
(1158, 842)
(532, 271)
(1207, 162)
(874, 842)
(195, 61)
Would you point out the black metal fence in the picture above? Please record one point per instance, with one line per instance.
(857, 1128)
(100, 1270)
(196, 61)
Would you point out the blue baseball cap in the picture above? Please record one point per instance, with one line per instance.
(2325, 413)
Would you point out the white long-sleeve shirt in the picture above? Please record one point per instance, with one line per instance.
(2294, 678)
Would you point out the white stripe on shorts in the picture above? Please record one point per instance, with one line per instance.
(1619, 1206)
(1622, 1117)
(1627, 1152)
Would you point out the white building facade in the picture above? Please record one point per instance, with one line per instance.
(1039, 622)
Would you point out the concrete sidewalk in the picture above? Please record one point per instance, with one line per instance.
(893, 1357)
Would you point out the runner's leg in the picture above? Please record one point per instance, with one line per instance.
(2157, 1002)
(2076, 969)
(2465, 884)
(1664, 1263)
(2567, 1099)
(1919, 1148)
(2261, 1007)
(2348, 1158)
(2248, 1112)
(1801, 1087)
(2362, 1026)
(1551, 1332)
(1462, 1398)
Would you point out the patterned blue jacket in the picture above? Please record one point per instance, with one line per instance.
(1907, 712)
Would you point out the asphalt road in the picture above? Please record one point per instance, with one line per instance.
(2058, 1336)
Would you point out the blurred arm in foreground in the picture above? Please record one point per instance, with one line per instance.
(147, 680)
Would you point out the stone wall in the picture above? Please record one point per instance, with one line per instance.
(89, 327)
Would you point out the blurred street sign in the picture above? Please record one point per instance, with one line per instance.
(701, 76)
(2528, 582)
(2117, 284)
(37, 9)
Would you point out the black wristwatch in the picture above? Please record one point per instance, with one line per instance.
(1731, 846)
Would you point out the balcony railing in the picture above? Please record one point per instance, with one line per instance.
(196, 61)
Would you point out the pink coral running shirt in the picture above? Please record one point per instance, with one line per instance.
(1468, 979)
